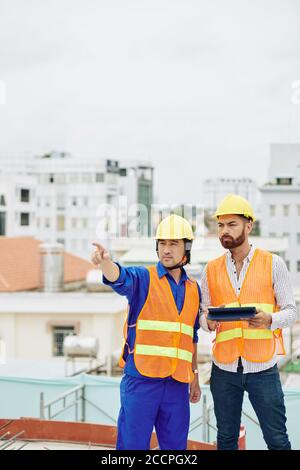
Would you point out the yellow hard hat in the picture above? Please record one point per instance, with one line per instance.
(174, 227)
(234, 204)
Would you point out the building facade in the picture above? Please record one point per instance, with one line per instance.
(280, 209)
(61, 199)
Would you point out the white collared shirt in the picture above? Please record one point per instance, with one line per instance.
(284, 298)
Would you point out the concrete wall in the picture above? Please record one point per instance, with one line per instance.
(29, 336)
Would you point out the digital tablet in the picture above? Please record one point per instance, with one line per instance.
(230, 313)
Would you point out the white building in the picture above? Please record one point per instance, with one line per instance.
(280, 211)
(72, 201)
(33, 324)
(214, 190)
(46, 295)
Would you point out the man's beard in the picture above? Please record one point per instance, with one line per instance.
(231, 242)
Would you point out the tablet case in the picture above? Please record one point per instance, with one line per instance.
(230, 313)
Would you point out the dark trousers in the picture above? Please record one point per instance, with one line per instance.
(266, 397)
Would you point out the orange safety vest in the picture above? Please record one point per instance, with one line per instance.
(235, 339)
(164, 339)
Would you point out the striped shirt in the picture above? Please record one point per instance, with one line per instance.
(284, 298)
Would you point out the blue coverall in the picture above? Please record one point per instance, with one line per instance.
(149, 402)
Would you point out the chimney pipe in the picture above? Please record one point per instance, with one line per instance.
(52, 267)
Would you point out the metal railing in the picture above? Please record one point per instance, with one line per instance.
(79, 403)
(78, 391)
(205, 420)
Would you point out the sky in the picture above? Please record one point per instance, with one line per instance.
(198, 87)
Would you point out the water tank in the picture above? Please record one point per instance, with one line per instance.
(81, 346)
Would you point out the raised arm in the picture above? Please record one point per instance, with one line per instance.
(101, 259)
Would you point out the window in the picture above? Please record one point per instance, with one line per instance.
(2, 200)
(284, 181)
(298, 266)
(286, 210)
(74, 223)
(59, 334)
(2, 223)
(272, 211)
(123, 171)
(61, 241)
(298, 209)
(298, 238)
(84, 223)
(25, 195)
(272, 235)
(60, 223)
(51, 178)
(99, 177)
(24, 219)
(85, 201)
(110, 199)
(74, 201)
(47, 223)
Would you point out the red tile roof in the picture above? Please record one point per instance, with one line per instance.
(20, 265)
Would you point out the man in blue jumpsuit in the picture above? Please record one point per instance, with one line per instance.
(148, 402)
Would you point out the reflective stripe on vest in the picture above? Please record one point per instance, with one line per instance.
(230, 334)
(164, 352)
(165, 326)
(248, 333)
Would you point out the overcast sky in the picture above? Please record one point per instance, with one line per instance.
(199, 87)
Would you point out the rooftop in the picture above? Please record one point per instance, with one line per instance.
(21, 265)
(35, 434)
(62, 302)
